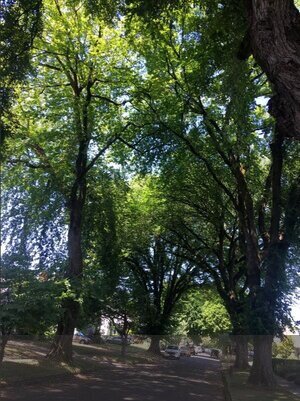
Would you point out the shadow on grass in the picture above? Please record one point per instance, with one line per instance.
(25, 361)
(188, 380)
(241, 391)
(21, 370)
(112, 352)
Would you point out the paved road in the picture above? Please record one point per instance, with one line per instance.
(189, 379)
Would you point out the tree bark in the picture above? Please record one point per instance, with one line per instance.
(124, 345)
(4, 341)
(241, 352)
(262, 369)
(154, 345)
(274, 41)
(62, 346)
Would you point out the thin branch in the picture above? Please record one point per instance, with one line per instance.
(100, 153)
(51, 67)
(28, 163)
(107, 99)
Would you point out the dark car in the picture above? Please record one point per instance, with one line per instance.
(215, 353)
(117, 340)
(192, 349)
(81, 338)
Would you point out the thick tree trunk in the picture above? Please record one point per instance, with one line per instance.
(274, 40)
(4, 341)
(62, 346)
(124, 346)
(154, 345)
(124, 335)
(262, 370)
(241, 352)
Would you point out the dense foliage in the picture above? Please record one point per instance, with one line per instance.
(140, 168)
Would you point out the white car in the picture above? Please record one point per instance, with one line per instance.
(173, 351)
(198, 349)
(185, 351)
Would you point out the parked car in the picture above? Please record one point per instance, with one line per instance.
(114, 340)
(215, 353)
(81, 338)
(192, 349)
(118, 340)
(185, 351)
(173, 351)
(198, 349)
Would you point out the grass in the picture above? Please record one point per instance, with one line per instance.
(25, 360)
(241, 391)
(289, 369)
(135, 353)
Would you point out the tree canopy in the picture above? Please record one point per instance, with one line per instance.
(142, 172)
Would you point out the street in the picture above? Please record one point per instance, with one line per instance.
(189, 379)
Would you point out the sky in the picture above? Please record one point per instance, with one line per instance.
(296, 310)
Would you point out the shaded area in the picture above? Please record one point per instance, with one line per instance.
(241, 391)
(188, 379)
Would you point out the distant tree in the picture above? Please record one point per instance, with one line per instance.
(284, 349)
(157, 273)
(201, 313)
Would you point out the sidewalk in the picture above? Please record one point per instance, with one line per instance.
(288, 386)
(237, 388)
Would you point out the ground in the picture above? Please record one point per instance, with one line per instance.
(241, 391)
(100, 373)
(195, 378)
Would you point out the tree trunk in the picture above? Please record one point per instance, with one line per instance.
(274, 40)
(124, 335)
(4, 341)
(154, 345)
(62, 346)
(262, 370)
(241, 352)
(124, 346)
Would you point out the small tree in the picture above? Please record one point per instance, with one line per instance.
(27, 305)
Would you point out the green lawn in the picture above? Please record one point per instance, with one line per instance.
(241, 391)
(25, 360)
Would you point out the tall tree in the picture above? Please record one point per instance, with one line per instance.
(222, 129)
(208, 226)
(75, 91)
